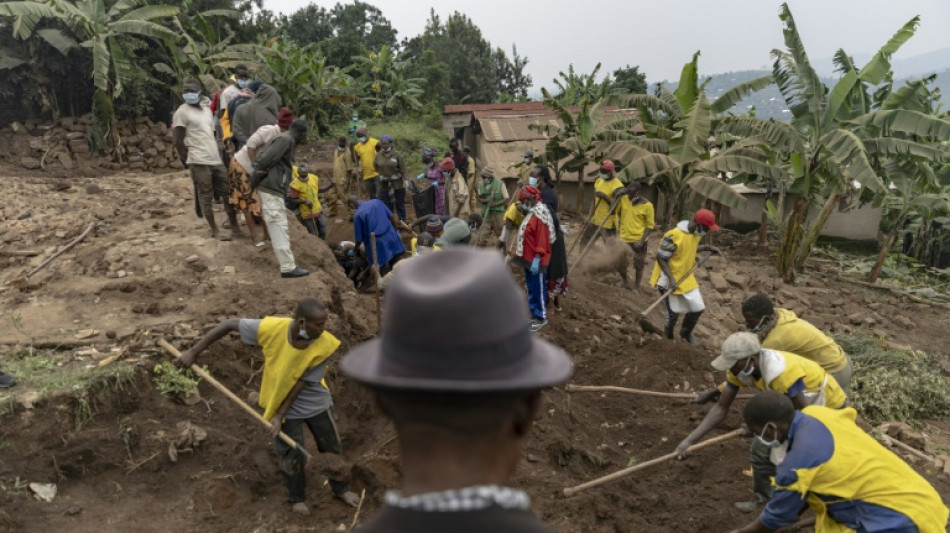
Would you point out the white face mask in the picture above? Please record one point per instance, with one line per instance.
(341, 148)
(604, 176)
(533, 181)
(771, 443)
(388, 149)
(527, 160)
(303, 334)
(446, 175)
(762, 321)
(361, 139)
(745, 375)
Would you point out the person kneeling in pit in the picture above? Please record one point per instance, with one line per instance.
(293, 394)
(849, 480)
(747, 364)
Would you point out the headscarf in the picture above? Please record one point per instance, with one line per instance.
(387, 138)
(430, 152)
(487, 172)
(529, 192)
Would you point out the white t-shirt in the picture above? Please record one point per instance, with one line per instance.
(228, 94)
(199, 134)
(261, 137)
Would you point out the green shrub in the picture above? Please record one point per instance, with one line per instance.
(895, 385)
(173, 381)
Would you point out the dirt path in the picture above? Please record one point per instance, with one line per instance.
(131, 281)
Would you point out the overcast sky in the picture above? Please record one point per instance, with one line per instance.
(661, 35)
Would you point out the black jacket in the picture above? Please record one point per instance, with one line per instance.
(276, 159)
(491, 520)
(258, 111)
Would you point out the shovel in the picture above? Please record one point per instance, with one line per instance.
(645, 324)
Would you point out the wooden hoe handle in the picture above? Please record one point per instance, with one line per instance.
(570, 491)
(233, 397)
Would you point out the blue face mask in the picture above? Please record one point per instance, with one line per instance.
(244, 84)
(361, 139)
(771, 443)
(191, 98)
(533, 181)
(604, 176)
(303, 334)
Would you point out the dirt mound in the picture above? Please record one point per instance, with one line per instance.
(125, 457)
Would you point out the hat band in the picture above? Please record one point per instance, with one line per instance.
(489, 361)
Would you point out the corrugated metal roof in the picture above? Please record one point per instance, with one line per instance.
(513, 106)
(503, 156)
(508, 129)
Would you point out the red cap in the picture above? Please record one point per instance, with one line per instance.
(607, 165)
(706, 218)
(529, 192)
(447, 164)
(285, 118)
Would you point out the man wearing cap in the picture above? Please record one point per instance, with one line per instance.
(373, 217)
(605, 187)
(849, 480)
(674, 259)
(522, 168)
(365, 150)
(293, 392)
(305, 192)
(462, 394)
(456, 192)
(533, 252)
(747, 364)
(391, 167)
(492, 195)
(271, 176)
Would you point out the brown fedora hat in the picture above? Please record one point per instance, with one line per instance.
(455, 321)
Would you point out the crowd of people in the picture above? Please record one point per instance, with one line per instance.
(462, 392)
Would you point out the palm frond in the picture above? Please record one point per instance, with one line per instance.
(890, 146)
(849, 153)
(58, 40)
(907, 121)
(740, 163)
(880, 65)
(716, 190)
(737, 93)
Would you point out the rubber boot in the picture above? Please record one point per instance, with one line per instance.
(689, 322)
(670, 326)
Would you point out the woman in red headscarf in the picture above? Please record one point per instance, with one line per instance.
(533, 251)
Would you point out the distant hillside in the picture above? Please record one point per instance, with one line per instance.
(768, 103)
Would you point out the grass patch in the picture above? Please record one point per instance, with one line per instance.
(411, 134)
(895, 385)
(48, 373)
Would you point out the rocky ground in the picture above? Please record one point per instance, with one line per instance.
(126, 458)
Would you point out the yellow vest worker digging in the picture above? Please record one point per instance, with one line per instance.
(849, 480)
(792, 334)
(307, 191)
(684, 246)
(284, 364)
(367, 154)
(781, 370)
(634, 219)
(607, 187)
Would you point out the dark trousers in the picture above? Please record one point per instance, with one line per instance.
(316, 226)
(292, 462)
(689, 322)
(395, 200)
(371, 186)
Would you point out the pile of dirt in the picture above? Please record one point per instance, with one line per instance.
(64, 145)
(138, 460)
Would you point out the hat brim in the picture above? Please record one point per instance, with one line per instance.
(548, 366)
(714, 227)
(722, 364)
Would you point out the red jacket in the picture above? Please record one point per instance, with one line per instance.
(537, 241)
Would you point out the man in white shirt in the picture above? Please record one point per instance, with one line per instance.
(193, 136)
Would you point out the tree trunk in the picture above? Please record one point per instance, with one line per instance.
(580, 191)
(814, 230)
(791, 236)
(764, 226)
(882, 255)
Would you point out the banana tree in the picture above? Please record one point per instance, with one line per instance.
(104, 30)
(681, 126)
(386, 80)
(836, 130)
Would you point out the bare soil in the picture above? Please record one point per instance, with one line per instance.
(110, 449)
